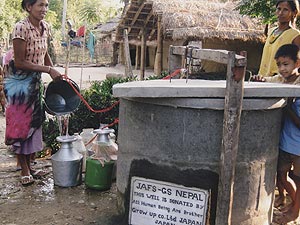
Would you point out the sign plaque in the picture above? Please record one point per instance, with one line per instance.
(156, 202)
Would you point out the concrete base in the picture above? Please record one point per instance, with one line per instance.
(181, 144)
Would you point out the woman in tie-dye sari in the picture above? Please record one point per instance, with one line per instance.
(23, 86)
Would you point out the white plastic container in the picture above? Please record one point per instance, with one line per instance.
(87, 135)
(80, 147)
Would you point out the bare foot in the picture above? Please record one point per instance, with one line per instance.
(279, 201)
(288, 217)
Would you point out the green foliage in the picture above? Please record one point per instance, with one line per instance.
(264, 10)
(10, 13)
(52, 19)
(259, 9)
(50, 132)
(55, 8)
(99, 96)
(91, 13)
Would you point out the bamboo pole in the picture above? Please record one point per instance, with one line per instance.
(137, 54)
(158, 56)
(82, 59)
(64, 16)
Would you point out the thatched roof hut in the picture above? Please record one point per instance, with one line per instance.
(105, 48)
(188, 19)
(107, 28)
(154, 25)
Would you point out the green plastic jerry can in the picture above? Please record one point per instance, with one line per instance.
(98, 177)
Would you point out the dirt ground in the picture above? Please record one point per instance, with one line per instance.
(45, 203)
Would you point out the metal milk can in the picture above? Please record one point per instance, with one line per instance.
(67, 163)
(61, 100)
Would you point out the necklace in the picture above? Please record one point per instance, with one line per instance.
(276, 34)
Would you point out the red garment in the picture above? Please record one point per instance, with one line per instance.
(81, 31)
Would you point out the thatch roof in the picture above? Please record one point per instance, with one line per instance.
(103, 30)
(189, 19)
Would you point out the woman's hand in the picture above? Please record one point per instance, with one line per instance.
(55, 75)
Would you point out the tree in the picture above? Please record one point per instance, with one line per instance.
(91, 11)
(54, 14)
(259, 9)
(10, 12)
(263, 10)
(88, 12)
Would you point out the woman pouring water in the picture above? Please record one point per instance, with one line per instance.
(23, 87)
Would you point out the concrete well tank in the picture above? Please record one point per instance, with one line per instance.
(172, 132)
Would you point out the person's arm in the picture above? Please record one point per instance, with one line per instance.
(48, 60)
(291, 113)
(55, 75)
(296, 41)
(274, 79)
(19, 46)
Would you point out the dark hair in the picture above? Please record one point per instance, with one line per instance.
(288, 50)
(294, 4)
(29, 2)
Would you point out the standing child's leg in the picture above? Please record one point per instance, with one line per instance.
(293, 213)
(288, 187)
(283, 167)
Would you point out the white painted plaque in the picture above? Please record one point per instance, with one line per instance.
(156, 202)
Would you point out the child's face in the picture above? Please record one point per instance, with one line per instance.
(286, 66)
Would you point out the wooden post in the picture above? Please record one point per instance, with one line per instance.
(137, 57)
(231, 127)
(158, 56)
(175, 60)
(128, 69)
(82, 59)
(116, 50)
(143, 55)
(64, 17)
(121, 55)
(68, 55)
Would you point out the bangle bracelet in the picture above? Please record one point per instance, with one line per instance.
(49, 69)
